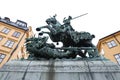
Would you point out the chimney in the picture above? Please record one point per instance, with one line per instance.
(7, 19)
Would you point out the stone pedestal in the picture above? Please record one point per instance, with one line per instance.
(60, 70)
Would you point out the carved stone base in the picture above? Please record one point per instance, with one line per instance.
(60, 70)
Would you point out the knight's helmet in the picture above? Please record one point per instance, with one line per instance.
(67, 21)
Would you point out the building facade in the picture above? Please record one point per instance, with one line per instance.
(109, 46)
(12, 38)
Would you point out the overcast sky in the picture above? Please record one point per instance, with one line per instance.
(103, 16)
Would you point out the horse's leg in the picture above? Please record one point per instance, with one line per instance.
(95, 53)
(52, 30)
(80, 53)
(41, 33)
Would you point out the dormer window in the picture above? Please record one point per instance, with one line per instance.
(21, 23)
(7, 19)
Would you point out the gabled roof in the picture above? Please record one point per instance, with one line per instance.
(110, 35)
(18, 24)
(106, 37)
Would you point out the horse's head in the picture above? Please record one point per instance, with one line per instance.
(51, 21)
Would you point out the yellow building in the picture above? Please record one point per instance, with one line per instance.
(109, 46)
(12, 38)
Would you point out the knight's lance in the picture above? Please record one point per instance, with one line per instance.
(79, 16)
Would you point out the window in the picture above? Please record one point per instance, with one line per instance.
(21, 23)
(9, 43)
(5, 30)
(111, 44)
(117, 57)
(16, 34)
(2, 56)
(1, 38)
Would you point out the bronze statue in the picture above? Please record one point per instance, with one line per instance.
(73, 42)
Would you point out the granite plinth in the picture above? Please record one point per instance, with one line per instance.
(60, 70)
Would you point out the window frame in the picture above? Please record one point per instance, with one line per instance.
(5, 30)
(9, 43)
(16, 34)
(117, 58)
(1, 38)
(2, 58)
(111, 44)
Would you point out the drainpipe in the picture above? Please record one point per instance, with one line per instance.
(16, 46)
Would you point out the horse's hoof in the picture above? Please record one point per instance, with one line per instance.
(40, 34)
(38, 29)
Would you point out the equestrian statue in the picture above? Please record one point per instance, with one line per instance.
(74, 43)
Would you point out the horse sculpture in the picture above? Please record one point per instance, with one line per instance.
(74, 43)
(68, 36)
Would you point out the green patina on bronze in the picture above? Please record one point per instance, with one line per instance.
(74, 43)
